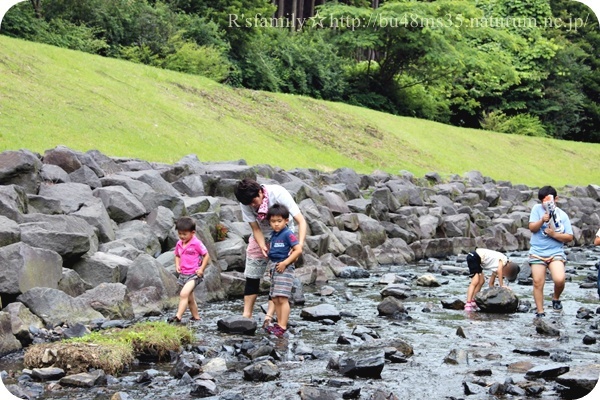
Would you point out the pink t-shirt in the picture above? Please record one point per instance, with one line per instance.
(190, 256)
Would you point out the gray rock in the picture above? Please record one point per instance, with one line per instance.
(161, 221)
(582, 378)
(69, 236)
(86, 176)
(71, 160)
(23, 267)
(21, 320)
(102, 267)
(55, 307)
(9, 231)
(71, 283)
(261, 371)
(8, 342)
(138, 234)
(315, 393)
(146, 271)
(84, 379)
(122, 206)
(233, 252)
(54, 174)
(364, 365)
(204, 388)
(146, 302)
(184, 365)
(394, 252)
(191, 185)
(320, 312)
(47, 374)
(153, 179)
(372, 233)
(20, 168)
(391, 307)
(497, 300)
(72, 196)
(236, 324)
(542, 327)
(110, 299)
(121, 248)
(43, 205)
(13, 202)
(399, 291)
(95, 215)
(427, 280)
(546, 371)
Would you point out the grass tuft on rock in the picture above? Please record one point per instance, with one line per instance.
(110, 350)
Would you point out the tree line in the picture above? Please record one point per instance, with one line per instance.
(526, 67)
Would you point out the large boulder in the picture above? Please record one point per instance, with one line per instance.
(22, 321)
(122, 206)
(55, 307)
(69, 236)
(102, 268)
(72, 196)
(95, 214)
(394, 251)
(140, 235)
(86, 176)
(13, 202)
(497, 300)
(23, 267)
(9, 231)
(71, 160)
(145, 271)
(233, 252)
(110, 299)
(8, 342)
(372, 233)
(363, 364)
(71, 283)
(20, 168)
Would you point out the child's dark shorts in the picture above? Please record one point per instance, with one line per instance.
(183, 279)
(474, 264)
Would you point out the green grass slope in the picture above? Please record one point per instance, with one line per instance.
(51, 96)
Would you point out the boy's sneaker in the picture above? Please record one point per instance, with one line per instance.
(540, 314)
(174, 320)
(556, 305)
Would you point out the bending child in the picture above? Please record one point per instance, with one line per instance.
(284, 249)
(481, 259)
(191, 259)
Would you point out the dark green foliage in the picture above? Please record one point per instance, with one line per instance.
(418, 58)
(291, 62)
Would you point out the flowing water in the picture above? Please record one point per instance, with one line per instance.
(432, 331)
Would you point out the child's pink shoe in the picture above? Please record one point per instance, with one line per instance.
(470, 306)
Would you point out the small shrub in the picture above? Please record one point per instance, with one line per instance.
(221, 232)
(520, 124)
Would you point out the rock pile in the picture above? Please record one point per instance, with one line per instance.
(84, 236)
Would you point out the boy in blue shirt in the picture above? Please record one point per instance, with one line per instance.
(551, 229)
(284, 249)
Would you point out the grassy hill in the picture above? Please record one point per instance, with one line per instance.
(51, 96)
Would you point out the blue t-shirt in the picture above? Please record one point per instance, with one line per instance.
(541, 244)
(281, 244)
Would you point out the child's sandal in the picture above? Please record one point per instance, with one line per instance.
(268, 320)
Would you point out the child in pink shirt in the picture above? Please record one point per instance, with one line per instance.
(191, 259)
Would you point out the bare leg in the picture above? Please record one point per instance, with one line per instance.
(283, 311)
(557, 270)
(193, 306)
(474, 287)
(538, 274)
(249, 301)
(184, 297)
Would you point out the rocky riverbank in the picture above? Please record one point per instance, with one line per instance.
(86, 241)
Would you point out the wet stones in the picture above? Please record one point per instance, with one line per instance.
(320, 312)
(497, 300)
(261, 371)
(236, 324)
